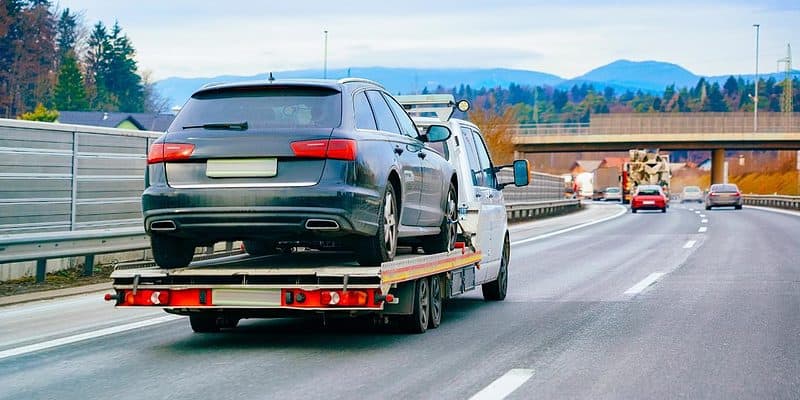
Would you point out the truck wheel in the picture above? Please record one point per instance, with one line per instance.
(417, 322)
(446, 239)
(497, 289)
(171, 252)
(436, 302)
(259, 248)
(203, 323)
(382, 247)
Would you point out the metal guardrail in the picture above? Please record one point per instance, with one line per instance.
(43, 246)
(775, 201)
(519, 211)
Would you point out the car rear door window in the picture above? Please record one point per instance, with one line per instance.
(485, 161)
(383, 115)
(363, 112)
(406, 124)
(296, 107)
(472, 157)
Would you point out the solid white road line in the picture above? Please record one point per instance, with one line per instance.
(504, 385)
(705, 221)
(702, 229)
(689, 244)
(644, 283)
(622, 211)
(85, 336)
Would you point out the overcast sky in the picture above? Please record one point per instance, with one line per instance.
(568, 38)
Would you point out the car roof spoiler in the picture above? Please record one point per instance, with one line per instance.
(442, 106)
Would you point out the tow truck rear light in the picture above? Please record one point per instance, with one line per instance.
(331, 298)
(165, 152)
(146, 298)
(336, 149)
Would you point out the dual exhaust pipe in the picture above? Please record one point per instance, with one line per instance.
(311, 224)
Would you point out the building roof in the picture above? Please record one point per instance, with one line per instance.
(142, 121)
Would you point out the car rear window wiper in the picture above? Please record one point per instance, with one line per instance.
(239, 126)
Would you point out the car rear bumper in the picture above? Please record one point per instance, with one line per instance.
(725, 202)
(280, 214)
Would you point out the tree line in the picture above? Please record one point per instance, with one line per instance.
(51, 60)
(547, 104)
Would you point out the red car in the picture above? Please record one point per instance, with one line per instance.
(649, 197)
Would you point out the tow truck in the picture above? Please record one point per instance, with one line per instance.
(407, 291)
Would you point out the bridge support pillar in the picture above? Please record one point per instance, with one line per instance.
(718, 166)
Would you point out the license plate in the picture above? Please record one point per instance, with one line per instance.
(246, 297)
(649, 202)
(242, 168)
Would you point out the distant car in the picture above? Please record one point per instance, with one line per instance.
(649, 197)
(692, 193)
(304, 160)
(612, 193)
(721, 195)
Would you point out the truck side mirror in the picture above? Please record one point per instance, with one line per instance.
(522, 173)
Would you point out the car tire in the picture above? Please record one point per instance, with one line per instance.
(171, 252)
(381, 247)
(633, 210)
(708, 207)
(419, 319)
(737, 207)
(497, 289)
(437, 302)
(663, 210)
(446, 239)
(259, 248)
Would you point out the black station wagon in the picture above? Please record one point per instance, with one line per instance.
(297, 161)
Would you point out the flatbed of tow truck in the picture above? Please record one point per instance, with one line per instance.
(297, 283)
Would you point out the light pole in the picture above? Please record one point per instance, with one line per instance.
(755, 96)
(325, 62)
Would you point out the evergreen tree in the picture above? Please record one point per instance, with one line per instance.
(67, 32)
(715, 101)
(70, 94)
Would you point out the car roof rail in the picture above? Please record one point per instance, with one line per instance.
(360, 80)
(442, 106)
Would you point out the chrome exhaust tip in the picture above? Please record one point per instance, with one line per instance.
(322, 225)
(162, 226)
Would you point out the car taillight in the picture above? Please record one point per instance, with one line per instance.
(164, 152)
(337, 149)
(737, 194)
(712, 194)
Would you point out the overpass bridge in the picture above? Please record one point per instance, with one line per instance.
(716, 132)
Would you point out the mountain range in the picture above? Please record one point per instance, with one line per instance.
(622, 75)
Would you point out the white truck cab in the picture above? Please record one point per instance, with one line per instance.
(482, 210)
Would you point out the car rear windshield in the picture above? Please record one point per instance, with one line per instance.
(649, 191)
(691, 189)
(263, 108)
(725, 188)
(612, 190)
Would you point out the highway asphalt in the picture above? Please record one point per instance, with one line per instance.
(645, 305)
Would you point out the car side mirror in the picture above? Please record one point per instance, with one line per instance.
(522, 173)
(436, 133)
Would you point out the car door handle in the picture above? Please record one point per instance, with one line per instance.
(398, 150)
(422, 154)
